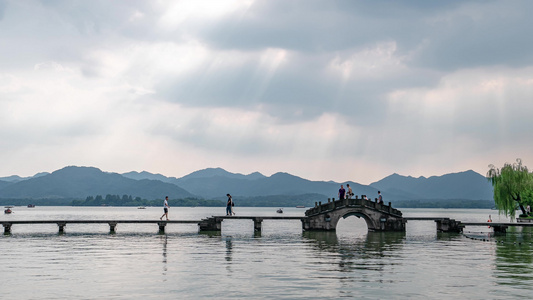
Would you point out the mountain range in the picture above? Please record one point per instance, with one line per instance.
(80, 182)
(74, 182)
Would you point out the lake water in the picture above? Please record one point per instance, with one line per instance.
(282, 262)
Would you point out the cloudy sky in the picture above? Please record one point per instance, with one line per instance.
(325, 90)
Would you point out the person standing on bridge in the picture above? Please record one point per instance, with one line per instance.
(380, 199)
(229, 205)
(165, 209)
(342, 192)
(350, 193)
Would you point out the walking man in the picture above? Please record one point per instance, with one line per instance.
(165, 208)
(228, 205)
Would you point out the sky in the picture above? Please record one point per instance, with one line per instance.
(324, 90)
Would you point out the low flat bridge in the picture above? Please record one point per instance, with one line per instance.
(208, 224)
(112, 223)
(215, 223)
(322, 217)
(379, 217)
(452, 225)
(497, 226)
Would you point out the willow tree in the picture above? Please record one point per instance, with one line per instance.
(513, 186)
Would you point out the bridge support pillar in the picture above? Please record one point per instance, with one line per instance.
(391, 224)
(61, 226)
(318, 223)
(449, 225)
(162, 226)
(500, 228)
(257, 224)
(305, 224)
(211, 224)
(112, 226)
(7, 228)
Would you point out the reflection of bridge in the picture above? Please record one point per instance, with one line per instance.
(378, 217)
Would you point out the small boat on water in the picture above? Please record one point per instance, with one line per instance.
(279, 211)
(300, 206)
(31, 205)
(141, 207)
(8, 210)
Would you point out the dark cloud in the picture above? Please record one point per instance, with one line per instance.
(486, 36)
(440, 34)
(322, 25)
(300, 89)
(3, 4)
(446, 35)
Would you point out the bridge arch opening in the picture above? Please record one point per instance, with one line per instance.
(352, 225)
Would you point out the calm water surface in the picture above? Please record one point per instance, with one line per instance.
(138, 263)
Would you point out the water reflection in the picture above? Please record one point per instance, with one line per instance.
(375, 243)
(229, 248)
(448, 236)
(364, 260)
(164, 241)
(514, 258)
(210, 233)
(370, 252)
(229, 253)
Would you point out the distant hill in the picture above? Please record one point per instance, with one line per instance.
(219, 172)
(215, 183)
(147, 175)
(3, 184)
(252, 190)
(16, 178)
(256, 185)
(207, 183)
(464, 185)
(80, 182)
(212, 183)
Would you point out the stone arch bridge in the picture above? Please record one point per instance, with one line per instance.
(378, 217)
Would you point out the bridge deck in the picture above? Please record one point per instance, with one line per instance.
(256, 219)
(161, 223)
(497, 224)
(424, 218)
(261, 217)
(519, 224)
(97, 221)
(146, 221)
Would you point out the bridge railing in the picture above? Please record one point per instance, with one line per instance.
(333, 204)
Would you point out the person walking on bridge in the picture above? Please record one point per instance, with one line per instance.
(229, 205)
(165, 209)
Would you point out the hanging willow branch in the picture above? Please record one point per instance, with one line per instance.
(513, 184)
